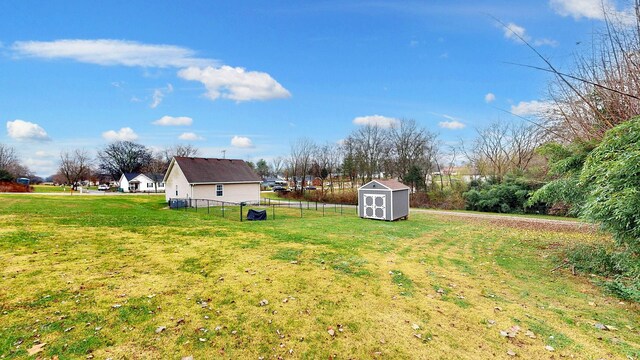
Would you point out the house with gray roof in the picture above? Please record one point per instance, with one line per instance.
(228, 180)
(139, 182)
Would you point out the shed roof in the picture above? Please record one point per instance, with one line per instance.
(214, 170)
(390, 184)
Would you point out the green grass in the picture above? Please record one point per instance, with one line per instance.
(101, 275)
(49, 189)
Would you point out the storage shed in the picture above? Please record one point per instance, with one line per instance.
(383, 200)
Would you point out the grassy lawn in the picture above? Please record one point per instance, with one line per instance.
(49, 189)
(123, 277)
(57, 189)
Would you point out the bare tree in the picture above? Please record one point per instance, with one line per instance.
(156, 168)
(602, 91)
(277, 165)
(408, 144)
(75, 166)
(179, 150)
(300, 159)
(369, 144)
(334, 159)
(501, 148)
(8, 157)
(124, 157)
(10, 163)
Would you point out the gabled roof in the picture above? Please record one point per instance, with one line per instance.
(149, 176)
(213, 170)
(130, 176)
(391, 184)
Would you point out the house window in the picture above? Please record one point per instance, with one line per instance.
(161, 184)
(176, 190)
(219, 190)
(149, 185)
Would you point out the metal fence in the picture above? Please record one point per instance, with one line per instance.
(237, 210)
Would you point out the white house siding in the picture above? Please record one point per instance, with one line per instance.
(230, 193)
(176, 179)
(124, 183)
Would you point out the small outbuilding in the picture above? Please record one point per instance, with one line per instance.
(383, 200)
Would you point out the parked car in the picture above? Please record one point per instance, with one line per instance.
(103, 187)
(279, 188)
(310, 187)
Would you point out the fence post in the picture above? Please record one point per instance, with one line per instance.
(196, 205)
(300, 208)
(208, 207)
(340, 209)
(241, 206)
(316, 206)
(223, 209)
(273, 211)
(322, 209)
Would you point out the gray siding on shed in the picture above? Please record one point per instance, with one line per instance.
(400, 204)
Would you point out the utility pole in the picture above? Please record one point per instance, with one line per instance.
(224, 154)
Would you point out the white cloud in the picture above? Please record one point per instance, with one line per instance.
(514, 31)
(451, 125)
(174, 121)
(489, 98)
(593, 9)
(376, 120)
(545, 42)
(124, 134)
(235, 83)
(518, 33)
(111, 52)
(41, 166)
(532, 108)
(25, 130)
(189, 136)
(158, 95)
(241, 142)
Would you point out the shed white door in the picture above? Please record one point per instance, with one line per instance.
(375, 206)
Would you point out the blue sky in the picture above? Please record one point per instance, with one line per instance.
(250, 77)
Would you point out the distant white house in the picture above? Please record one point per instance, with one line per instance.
(138, 182)
(228, 180)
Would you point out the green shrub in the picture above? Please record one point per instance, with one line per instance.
(511, 196)
(611, 174)
(562, 193)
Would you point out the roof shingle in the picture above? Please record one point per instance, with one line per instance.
(213, 170)
(393, 184)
